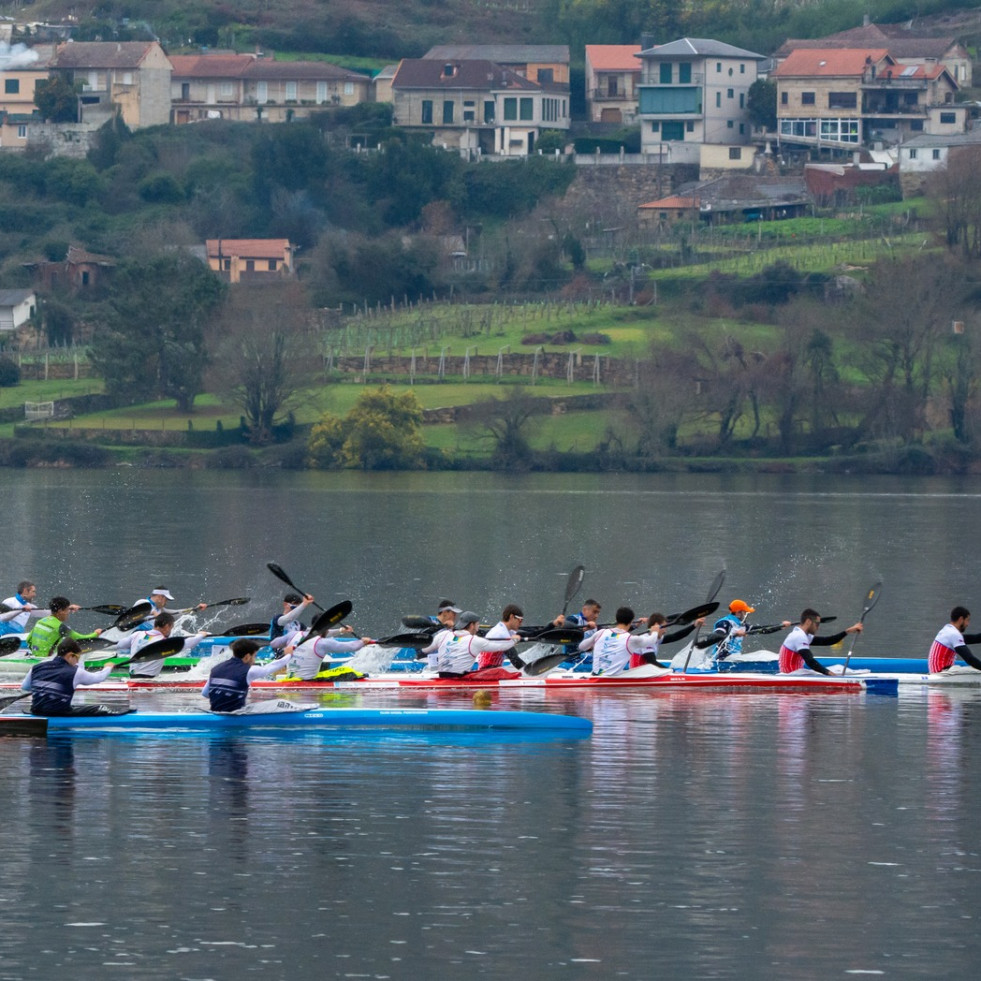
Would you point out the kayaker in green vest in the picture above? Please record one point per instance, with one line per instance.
(53, 628)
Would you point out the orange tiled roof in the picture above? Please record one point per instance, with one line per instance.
(674, 201)
(248, 248)
(830, 62)
(614, 57)
(210, 66)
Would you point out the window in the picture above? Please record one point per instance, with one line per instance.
(916, 125)
(742, 100)
(655, 127)
(735, 152)
(936, 154)
(226, 90)
(527, 109)
(489, 111)
(718, 66)
(261, 92)
(912, 154)
(730, 124)
(469, 112)
(321, 93)
(742, 129)
(447, 113)
(250, 265)
(349, 88)
(126, 78)
(611, 86)
(22, 131)
(665, 75)
(272, 265)
(807, 98)
(684, 73)
(742, 69)
(427, 111)
(948, 117)
(842, 100)
(690, 126)
(729, 93)
(11, 86)
(546, 76)
(510, 109)
(718, 100)
(783, 98)
(291, 91)
(227, 264)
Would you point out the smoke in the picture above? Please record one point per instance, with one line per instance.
(16, 56)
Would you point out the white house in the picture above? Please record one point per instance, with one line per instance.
(16, 308)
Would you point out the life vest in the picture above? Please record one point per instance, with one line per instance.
(228, 685)
(730, 644)
(45, 635)
(52, 687)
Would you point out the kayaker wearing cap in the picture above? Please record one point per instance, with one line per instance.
(289, 620)
(728, 633)
(52, 683)
(952, 642)
(457, 649)
(157, 599)
(795, 652)
(227, 686)
(443, 623)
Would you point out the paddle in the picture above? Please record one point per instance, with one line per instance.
(240, 601)
(871, 598)
(110, 609)
(329, 618)
(134, 616)
(157, 651)
(573, 585)
(6, 700)
(772, 628)
(421, 623)
(690, 616)
(415, 641)
(712, 593)
(8, 645)
(279, 573)
(557, 635)
(245, 630)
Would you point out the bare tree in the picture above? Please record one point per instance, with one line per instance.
(265, 360)
(956, 194)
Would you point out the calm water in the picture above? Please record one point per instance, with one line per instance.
(695, 835)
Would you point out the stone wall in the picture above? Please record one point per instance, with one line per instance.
(597, 189)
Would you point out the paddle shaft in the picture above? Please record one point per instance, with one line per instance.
(712, 593)
(871, 598)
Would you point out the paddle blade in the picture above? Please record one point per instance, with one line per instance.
(6, 700)
(715, 587)
(544, 664)
(690, 616)
(419, 623)
(573, 585)
(415, 641)
(91, 644)
(278, 572)
(245, 630)
(332, 616)
(158, 650)
(134, 616)
(239, 601)
(559, 635)
(8, 645)
(110, 609)
(871, 598)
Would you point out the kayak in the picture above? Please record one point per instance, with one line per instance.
(768, 661)
(307, 718)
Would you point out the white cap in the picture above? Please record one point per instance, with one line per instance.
(160, 591)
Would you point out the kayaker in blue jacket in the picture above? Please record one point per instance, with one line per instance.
(727, 635)
(52, 683)
(227, 687)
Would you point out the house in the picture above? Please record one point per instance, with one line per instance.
(612, 81)
(694, 91)
(250, 259)
(669, 210)
(547, 64)
(79, 271)
(247, 88)
(841, 98)
(381, 84)
(905, 47)
(477, 106)
(21, 69)
(128, 77)
(924, 155)
(16, 308)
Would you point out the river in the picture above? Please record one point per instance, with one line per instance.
(693, 835)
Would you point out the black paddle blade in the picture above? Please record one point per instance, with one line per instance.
(690, 616)
(6, 700)
(871, 598)
(559, 635)
(512, 655)
(134, 616)
(573, 585)
(239, 601)
(715, 587)
(110, 609)
(8, 645)
(91, 644)
(278, 572)
(159, 649)
(420, 623)
(544, 664)
(332, 617)
(245, 630)
(415, 641)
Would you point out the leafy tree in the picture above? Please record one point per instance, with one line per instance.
(381, 432)
(152, 343)
(56, 100)
(761, 104)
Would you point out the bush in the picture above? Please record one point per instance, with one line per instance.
(9, 373)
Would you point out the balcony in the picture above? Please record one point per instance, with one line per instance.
(601, 95)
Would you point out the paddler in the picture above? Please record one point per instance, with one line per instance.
(306, 658)
(163, 627)
(158, 601)
(53, 628)
(289, 620)
(52, 683)
(614, 648)
(19, 608)
(952, 642)
(457, 649)
(506, 628)
(656, 626)
(727, 635)
(227, 687)
(795, 652)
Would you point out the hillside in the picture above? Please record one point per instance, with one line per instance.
(382, 29)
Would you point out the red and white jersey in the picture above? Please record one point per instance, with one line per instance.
(612, 648)
(944, 648)
(797, 640)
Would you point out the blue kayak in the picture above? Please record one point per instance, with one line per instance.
(318, 718)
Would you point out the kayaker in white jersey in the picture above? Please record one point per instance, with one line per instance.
(614, 648)
(952, 642)
(795, 652)
(158, 598)
(288, 621)
(657, 628)
(20, 608)
(306, 659)
(457, 649)
(163, 627)
(505, 629)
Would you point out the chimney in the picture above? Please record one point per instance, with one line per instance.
(866, 20)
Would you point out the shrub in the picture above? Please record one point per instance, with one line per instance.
(9, 373)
